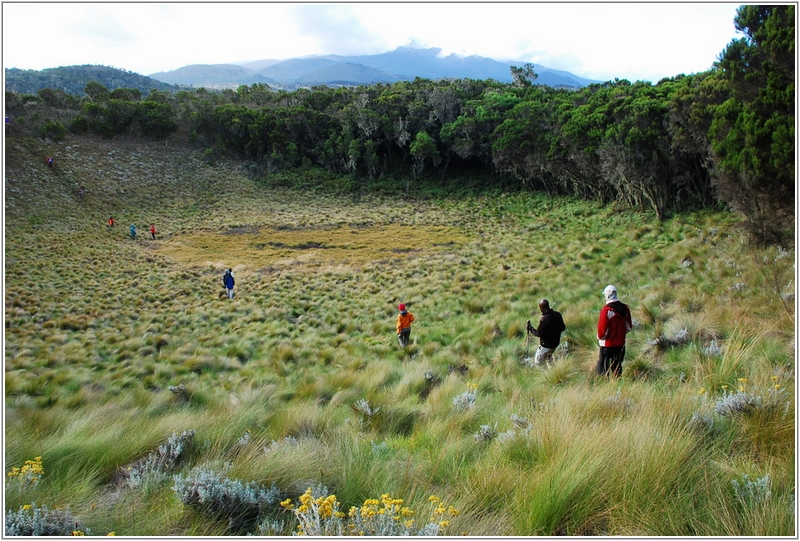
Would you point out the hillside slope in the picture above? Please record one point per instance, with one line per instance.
(114, 347)
(73, 79)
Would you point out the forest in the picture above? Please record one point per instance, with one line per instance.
(721, 138)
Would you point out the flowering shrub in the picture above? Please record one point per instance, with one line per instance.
(161, 461)
(365, 411)
(752, 493)
(485, 434)
(713, 349)
(319, 514)
(663, 342)
(520, 423)
(466, 400)
(208, 491)
(180, 392)
(288, 441)
(29, 473)
(744, 402)
(36, 521)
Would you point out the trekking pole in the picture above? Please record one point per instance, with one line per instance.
(527, 342)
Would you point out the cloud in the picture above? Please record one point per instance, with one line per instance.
(334, 29)
(101, 27)
(599, 40)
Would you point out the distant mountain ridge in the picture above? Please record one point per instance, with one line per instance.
(73, 80)
(403, 63)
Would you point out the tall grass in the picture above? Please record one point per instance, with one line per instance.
(112, 345)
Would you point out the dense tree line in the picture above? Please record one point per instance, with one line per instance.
(690, 141)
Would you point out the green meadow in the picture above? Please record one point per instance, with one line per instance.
(114, 348)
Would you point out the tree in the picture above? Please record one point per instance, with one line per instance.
(753, 130)
(524, 76)
(423, 148)
(95, 91)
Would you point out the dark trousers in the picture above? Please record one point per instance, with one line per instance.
(403, 337)
(610, 360)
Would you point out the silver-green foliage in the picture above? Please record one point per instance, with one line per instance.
(752, 493)
(31, 520)
(162, 460)
(744, 402)
(465, 400)
(212, 493)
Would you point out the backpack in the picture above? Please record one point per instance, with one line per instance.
(225, 279)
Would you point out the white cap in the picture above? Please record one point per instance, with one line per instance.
(610, 293)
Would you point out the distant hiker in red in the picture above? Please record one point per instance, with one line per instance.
(153, 231)
(50, 162)
(404, 321)
(614, 323)
(111, 222)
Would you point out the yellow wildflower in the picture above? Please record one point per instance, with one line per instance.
(111, 534)
(26, 506)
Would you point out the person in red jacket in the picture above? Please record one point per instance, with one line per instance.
(404, 320)
(614, 323)
(153, 231)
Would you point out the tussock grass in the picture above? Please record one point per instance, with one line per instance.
(100, 328)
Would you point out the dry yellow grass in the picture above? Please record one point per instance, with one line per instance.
(309, 248)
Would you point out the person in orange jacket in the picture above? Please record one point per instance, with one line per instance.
(404, 320)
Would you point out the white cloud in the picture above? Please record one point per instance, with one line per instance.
(595, 40)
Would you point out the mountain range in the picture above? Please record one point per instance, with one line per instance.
(401, 64)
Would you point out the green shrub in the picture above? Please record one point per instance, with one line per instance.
(52, 130)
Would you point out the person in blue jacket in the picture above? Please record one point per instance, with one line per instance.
(133, 232)
(229, 282)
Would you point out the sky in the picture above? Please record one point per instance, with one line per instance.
(597, 40)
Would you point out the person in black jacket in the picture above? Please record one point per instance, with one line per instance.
(551, 325)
